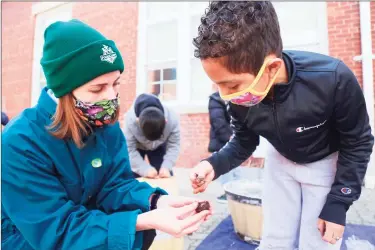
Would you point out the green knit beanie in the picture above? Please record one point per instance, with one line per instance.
(74, 54)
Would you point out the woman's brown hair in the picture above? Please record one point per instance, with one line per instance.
(68, 124)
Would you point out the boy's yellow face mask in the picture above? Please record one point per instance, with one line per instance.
(250, 96)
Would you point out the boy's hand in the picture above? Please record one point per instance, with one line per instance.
(330, 232)
(152, 173)
(201, 175)
(164, 173)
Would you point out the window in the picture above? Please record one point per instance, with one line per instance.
(162, 83)
(166, 63)
(200, 84)
(162, 59)
(159, 11)
(45, 17)
(306, 29)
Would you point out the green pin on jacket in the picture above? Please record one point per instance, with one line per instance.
(96, 163)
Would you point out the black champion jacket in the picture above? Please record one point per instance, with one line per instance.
(321, 110)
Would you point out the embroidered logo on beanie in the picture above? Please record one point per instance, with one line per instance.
(108, 54)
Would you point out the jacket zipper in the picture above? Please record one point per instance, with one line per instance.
(275, 120)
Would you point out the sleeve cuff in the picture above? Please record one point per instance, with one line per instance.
(160, 191)
(145, 200)
(213, 161)
(122, 231)
(334, 211)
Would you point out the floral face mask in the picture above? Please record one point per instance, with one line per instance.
(251, 96)
(98, 113)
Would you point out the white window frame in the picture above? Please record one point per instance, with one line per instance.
(161, 67)
(322, 27)
(43, 11)
(184, 104)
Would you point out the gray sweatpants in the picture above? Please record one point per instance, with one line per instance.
(293, 197)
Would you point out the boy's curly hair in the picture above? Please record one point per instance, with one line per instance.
(243, 33)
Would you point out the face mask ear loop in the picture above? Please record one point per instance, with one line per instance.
(248, 89)
(265, 92)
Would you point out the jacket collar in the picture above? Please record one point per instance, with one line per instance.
(281, 91)
(46, 103)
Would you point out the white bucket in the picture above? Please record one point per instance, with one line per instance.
(245, 205)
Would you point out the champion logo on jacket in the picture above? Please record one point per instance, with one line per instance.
(301, 129)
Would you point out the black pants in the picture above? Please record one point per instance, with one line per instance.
(155, 157)
(148, 239)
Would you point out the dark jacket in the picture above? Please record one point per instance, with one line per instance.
(220, 130)
(4, 119)
(321, 110)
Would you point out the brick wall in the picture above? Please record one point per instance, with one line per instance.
(18, 37)
(17, 31)
(194, 138)
(344, 33)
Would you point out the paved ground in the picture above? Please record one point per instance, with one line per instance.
(362, 212)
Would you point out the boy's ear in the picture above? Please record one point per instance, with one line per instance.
(273, 66)
(137, 119)
(166, 121)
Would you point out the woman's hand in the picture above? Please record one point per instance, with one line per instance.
(166, 201)
(171, 220)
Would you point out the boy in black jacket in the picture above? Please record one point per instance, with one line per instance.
(309, 106)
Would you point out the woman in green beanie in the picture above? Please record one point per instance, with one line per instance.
(66, 177)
